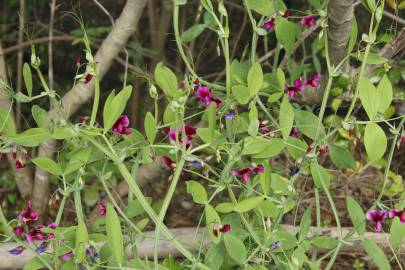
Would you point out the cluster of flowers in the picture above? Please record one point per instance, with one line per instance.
(270, 23)
(247, 172)
(300, 84)
(379, 215)
(221, 228)
(189, 132)
(31, 232)
(91, 253)
(121, 126)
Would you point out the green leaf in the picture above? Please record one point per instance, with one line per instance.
(20, 97)
(255, 79)
(320, 176)
(286, 117)
(397, 233)
(280, 184)
(212, 218)
(248, 204)
(192, 33)
(166, 80)
(114, 234)
(325, 242)
(170, 263)
(341, 156)
(296, 147)
(40, 115)
(35, 263)
(235, 248)
(254, 145)
(135, 208)
(31, 137)
(114, 107)
(353, 35)
(211, 120)
(372, 59)
(241, 94)
(150, 127)
(263, 7)
(27, 78)
(280, 77)
(272, 148)
(268, 209)
(265, 181)
(81, 241)
(375, 141)
(384, 91)
(48, 165)
(225, 207)
(307, 123)
(376, 254)
(369, 97)
(286, 33)
(197, 191)
(305, 224)
(214, 257)
(7, 126)
(356, 215)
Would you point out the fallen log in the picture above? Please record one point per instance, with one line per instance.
(194, 239)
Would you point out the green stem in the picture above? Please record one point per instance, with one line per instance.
(142, 200)
(387, 167)
(165, 206)
(228, 69)
(78, 206)
(61, 208)
(181, 50)
(96, 97)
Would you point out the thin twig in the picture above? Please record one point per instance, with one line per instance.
(20, 61)
(394, 17)
(50, 47)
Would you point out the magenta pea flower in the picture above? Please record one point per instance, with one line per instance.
(42, 247)
(401, 140)
(35, 235)
(313, 81)
(67, 256)
(102, 210)
(323, 150)
(377, 216)
(221, 228)
(247, 172)
(19, 164)
(294, 132)
(262, 126)
(269, 24)
(397, 213)
(121, 126)
(297, 87)
(169, 162)
(88, 78)
(17, 250)
(286, 14)
(190, 133)
(308, 21)
(18, 231)
(28, 216)
(205, 96)
(52, 226)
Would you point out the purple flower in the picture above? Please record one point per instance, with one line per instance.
(18, 231)
(42, 247)
(229, 115)
(88, 78)
(52, 226)
(294, 170)
(275, 245)
(102, 210)
(67, 256)
(29, 215)
(377, 216)
(205, 96)
(226, 228)
(286, 14)
(17, 250)
(262, 126)
(308, 21)
(190, 133)
(323, 150)
(269, 24)
(197, 164)
(122, 126)
(314, 80)
(247, 172)
(397, 213)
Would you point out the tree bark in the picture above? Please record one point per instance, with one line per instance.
(81, 93)
(340, 16)
(22, 176)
